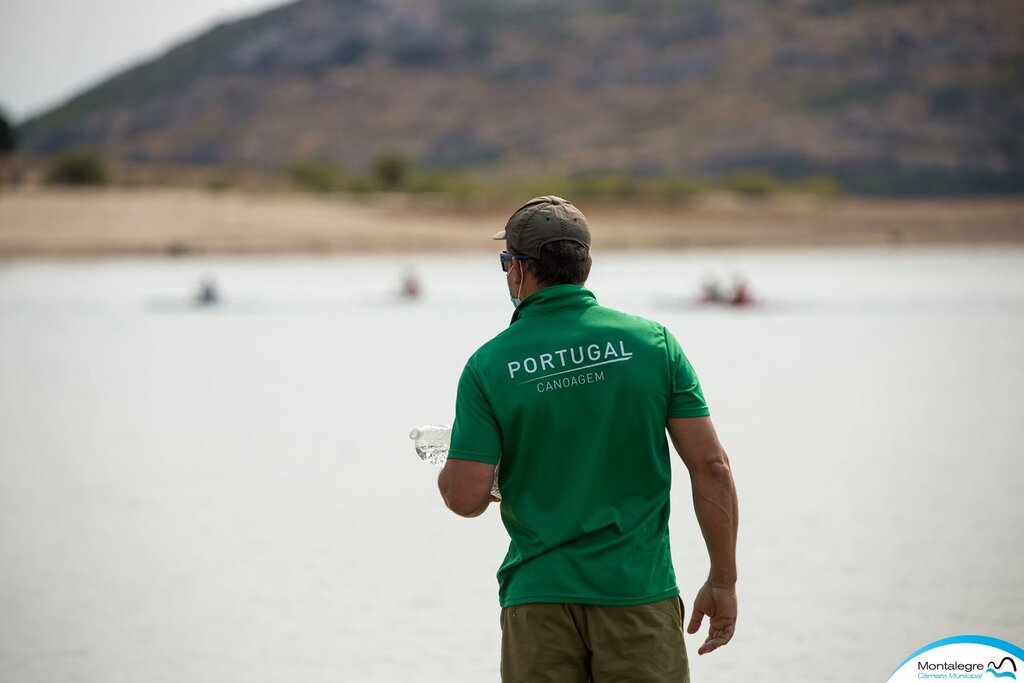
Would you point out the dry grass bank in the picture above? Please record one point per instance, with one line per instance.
(47, 222)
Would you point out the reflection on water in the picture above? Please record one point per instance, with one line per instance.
(209, 493)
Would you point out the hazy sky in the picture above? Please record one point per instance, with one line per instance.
(52, 49)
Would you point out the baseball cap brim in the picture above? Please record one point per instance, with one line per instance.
(498, 235)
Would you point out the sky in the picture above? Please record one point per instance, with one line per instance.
(51, 50)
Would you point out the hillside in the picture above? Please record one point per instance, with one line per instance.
(886, 95)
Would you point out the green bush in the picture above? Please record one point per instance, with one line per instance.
(426, 182)
(77, 167)
(606, 186)
(317, 175)
(391, 171)
(676, 187)
(362, 185)
(219, 183)
(763, 183)
(751, 183)
(8, 141)
(449, 184)
(460, 187)
(819, 186)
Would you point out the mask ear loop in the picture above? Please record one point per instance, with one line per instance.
(518, 293)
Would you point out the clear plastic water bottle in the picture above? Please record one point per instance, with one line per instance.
(432, 443)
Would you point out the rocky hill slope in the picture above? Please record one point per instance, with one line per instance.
(886, 95)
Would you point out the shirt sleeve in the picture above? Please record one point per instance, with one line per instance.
(687, 398)
(475, 432)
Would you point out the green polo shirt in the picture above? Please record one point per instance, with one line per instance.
(573, 398)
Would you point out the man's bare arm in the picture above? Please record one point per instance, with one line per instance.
(714, 501)
(466, 486)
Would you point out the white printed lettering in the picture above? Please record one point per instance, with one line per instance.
(579, 358)
(569, 382)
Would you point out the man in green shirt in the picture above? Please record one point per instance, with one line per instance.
(573, 401)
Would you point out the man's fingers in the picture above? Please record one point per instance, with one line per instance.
(716, 639)
(710, 645)
(695, 620)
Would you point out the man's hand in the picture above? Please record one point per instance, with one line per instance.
(719, 603)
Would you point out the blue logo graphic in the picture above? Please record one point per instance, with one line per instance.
(993, 669)
(1006, 668)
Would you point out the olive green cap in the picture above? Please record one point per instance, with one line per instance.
(543, 220)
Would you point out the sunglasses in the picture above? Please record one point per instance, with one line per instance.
(506, 260)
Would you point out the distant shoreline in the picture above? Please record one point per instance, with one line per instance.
(46, 222)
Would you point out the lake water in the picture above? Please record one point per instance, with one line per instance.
(229, 494)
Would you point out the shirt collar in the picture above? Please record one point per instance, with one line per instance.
(553, 299)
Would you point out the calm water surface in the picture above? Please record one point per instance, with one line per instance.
(228, 494)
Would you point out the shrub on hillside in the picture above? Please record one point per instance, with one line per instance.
(318, 175)
(8, 142)
(819, 186)
(606, 185)
(752, 183)
(675, 187)
(391, 171)
(449, 184)
(219, 183)
(77, 167)
(764, 183)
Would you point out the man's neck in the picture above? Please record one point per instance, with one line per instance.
(530, 287)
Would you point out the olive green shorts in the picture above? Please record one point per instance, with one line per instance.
(560, 643)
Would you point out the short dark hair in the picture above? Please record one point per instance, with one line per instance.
(563, 262)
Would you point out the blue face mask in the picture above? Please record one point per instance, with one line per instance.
(516, 300)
